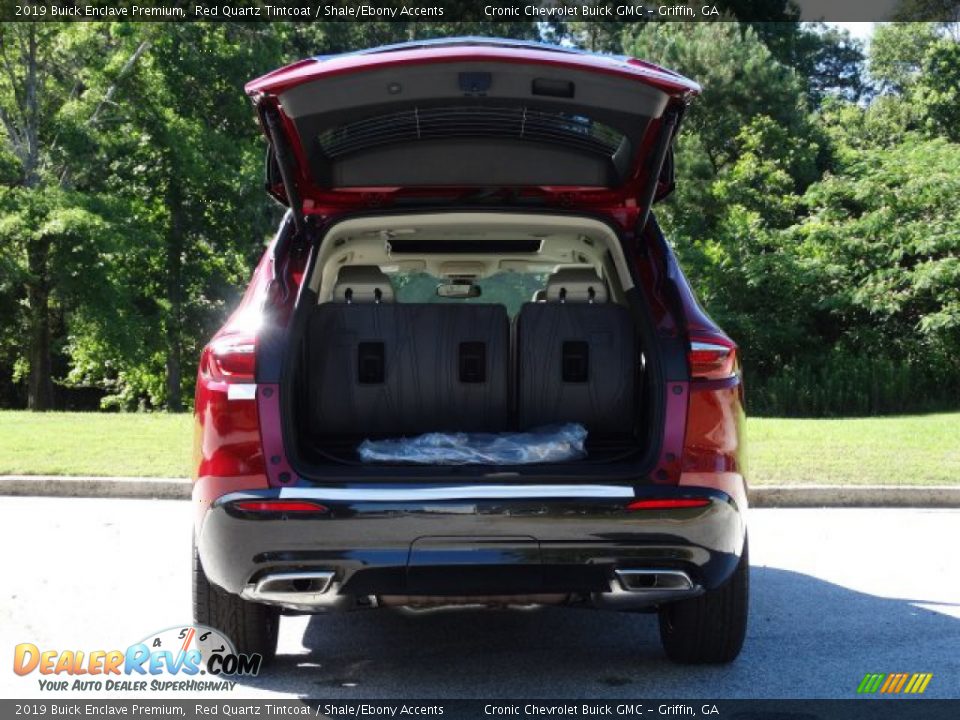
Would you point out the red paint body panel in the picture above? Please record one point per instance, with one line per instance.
(668, 466)
(305, 71)
(714, 439)
(228, 452)
(268, 401)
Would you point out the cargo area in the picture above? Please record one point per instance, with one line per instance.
(479, 323)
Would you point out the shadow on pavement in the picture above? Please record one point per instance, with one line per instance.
(806, 638)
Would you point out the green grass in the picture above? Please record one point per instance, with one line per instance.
(67, 443)
(897, 450)
(914, 450)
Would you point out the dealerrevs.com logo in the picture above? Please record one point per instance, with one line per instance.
(190, 658)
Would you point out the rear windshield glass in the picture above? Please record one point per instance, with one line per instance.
(510, 289)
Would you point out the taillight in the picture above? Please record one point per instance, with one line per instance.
(231, 359)
(667, 503)
(280, 506)
(712, 360)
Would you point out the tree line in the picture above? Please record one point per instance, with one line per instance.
(815, 208)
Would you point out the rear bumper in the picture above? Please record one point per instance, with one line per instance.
(402, 542)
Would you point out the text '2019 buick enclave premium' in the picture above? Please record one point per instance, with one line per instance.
(469, 255)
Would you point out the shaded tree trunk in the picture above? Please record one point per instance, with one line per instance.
(39, 383)
(174, 268)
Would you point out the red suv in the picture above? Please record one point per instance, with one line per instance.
(469, 250)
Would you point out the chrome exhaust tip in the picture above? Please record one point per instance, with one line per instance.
(641, 588)
(641, 581)
(295, 590)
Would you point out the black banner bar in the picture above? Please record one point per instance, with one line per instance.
(865, 709)
(475, 10)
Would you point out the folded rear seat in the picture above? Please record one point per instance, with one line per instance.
(576, 357)
(379, 368)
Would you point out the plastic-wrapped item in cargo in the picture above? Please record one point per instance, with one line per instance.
(547, 444)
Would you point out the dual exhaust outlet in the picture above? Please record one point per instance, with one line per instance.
(315, 590)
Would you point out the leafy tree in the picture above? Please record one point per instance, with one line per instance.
(853, 128)
(747, 268)
(827, 59)
(44, 109)
(741, 81)
(948, 11)
(834, 65)
(888, 235)
(896, 54)
(186, 143)
(937, 92)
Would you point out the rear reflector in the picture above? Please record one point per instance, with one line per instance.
(280, 506)
(711, 360)
(667, 503)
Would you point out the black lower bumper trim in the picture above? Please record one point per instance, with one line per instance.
(481, 547)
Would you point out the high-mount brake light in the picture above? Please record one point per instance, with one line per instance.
(667, 503)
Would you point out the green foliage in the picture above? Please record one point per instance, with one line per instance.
(739, 75)
(938, 91)
(840, 383)
(827, 59)
(896, 53)
(879, 242)
(834, 65)
(888, 234)
(825, 243)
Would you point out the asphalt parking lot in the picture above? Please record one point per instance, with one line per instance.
(836, 593)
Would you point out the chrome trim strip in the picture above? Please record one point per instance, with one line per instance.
(458, 492)
(713, 347)
(241, 391)
(695, 345)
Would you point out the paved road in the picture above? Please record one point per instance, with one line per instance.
(836, 593)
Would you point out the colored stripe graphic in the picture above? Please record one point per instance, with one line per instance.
(188, 639)
(890, 681)
(894, 683)
(870, 683)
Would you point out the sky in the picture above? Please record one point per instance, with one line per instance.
(860, 30)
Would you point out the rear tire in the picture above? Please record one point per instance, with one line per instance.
(251, 626)
(709, 628)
